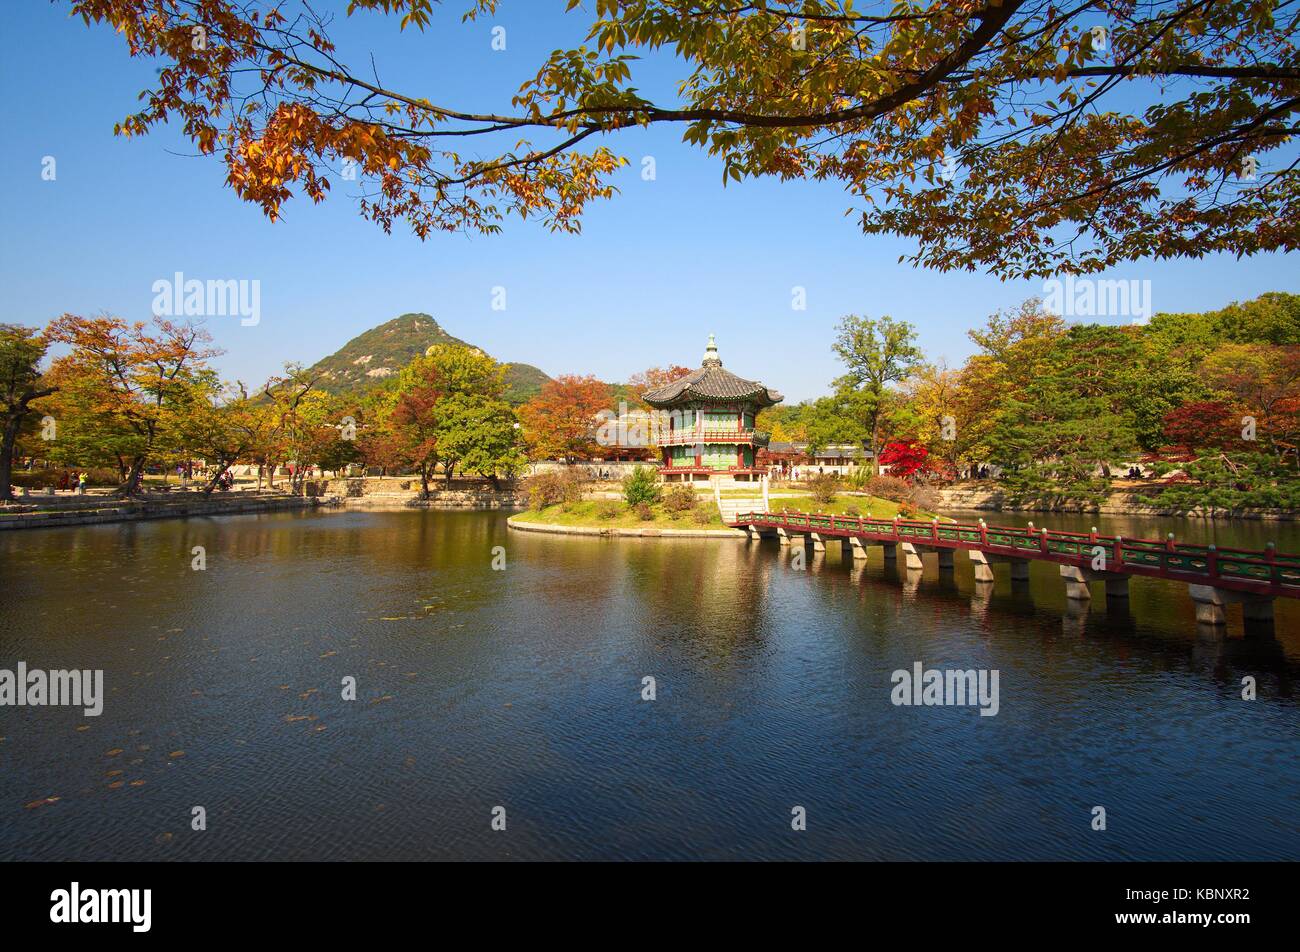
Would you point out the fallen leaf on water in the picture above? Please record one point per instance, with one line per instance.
(115, 784)
(40, 803)
(114, 752)
(137, 783)
(295, 717)
(176, 753)
(113, 773)
(329, 654)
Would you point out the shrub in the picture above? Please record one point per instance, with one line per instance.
(907, 510)
(680, 499)
(644, 512)
(858, 478)
(641, 486)
(924, 497)
(823, 487)
(607, 509)
(702, 516)
(852, 511)
(889, 487)
(554, 486)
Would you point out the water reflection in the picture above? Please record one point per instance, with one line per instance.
(478, 687)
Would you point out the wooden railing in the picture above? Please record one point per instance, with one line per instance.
(1186, 561)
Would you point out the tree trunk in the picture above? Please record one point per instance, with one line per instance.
(424, 481)
(212, 483)
(7, 456)
(131, 485)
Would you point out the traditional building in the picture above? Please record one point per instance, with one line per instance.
(710, 428)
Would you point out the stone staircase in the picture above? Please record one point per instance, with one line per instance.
(732, 506)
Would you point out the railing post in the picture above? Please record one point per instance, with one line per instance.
(1092, 536)
(895, 527)
(934, 529)
(1169, 543)
(1119, 550)
(1270, 555)
(1212, 558)
(1042, 541)
(984, 533)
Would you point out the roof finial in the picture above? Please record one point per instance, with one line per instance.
(711, 354)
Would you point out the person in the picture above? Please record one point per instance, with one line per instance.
(63, 480)
(81, 483)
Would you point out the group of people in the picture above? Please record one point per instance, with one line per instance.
(1135, 472)
(73, 480)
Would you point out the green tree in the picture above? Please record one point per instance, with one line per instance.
(877, 354)
(21, 351)
(448, 409)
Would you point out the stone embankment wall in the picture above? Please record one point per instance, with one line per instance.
(31, 513)
(364, 493)
(1117, 504)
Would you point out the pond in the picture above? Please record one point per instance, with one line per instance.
(523, 688)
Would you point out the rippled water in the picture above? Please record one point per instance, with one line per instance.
(521, 688)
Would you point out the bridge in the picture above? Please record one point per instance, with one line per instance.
(1215, 577)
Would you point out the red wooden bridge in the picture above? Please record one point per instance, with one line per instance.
(1215, 577)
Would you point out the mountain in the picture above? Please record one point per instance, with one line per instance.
(370, 358)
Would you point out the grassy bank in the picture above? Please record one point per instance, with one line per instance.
(843, 505)
(608, 514)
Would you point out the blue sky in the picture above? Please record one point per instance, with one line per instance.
(657, 268)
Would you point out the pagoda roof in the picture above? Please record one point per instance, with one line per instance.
(712, 382)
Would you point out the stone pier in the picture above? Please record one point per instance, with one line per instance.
(1076, 582)
(1212, 604)
(911, 557)
(818, 543)
(984, 562)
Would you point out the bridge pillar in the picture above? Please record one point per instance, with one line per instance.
(1076, 583)
(911, 557)
(754, 534)
(890, 551)
(980, 561)
(819, 544)
(984, 562)
(859, 550)
(782, 535)
(1212, 605)
(945, 558)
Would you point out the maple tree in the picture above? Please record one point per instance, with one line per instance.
(561, 420)
(1021, 137)
(906, 458)
(1203, 424)
(447, 409)
(127, 384)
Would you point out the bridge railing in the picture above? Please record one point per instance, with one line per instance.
(1162, 557)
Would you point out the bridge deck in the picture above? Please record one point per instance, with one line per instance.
(1263, 573)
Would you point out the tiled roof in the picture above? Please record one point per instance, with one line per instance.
(711, 382)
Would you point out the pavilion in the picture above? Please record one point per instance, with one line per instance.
(710, 433)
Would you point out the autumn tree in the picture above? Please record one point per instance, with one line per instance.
(1022, 138)
(128, 383)
(448, 409)
(560, 421)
